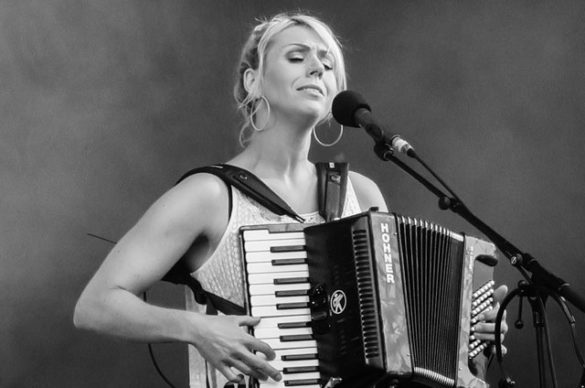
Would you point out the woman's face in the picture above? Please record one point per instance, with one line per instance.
(299, 81)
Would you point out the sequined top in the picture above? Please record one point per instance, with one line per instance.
(222, 273)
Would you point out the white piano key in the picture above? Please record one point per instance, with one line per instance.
(264, 234)
(280, 384)
(271, 311)
(259, 246)
(280, 365)
(300, 376)
(276, 332)
(268, 300)
(269, 278)
(277, 344)
(259, 257)
(266, 323)
(268, 267)
(270, 289)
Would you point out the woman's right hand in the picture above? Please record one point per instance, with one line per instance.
(224, 342)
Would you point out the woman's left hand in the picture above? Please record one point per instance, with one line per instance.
(486, 328)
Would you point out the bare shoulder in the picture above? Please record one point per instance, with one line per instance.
(367, 191)
(199, 200)
(195, 208)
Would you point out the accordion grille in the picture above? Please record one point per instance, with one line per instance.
(432, 269)
(365, 291)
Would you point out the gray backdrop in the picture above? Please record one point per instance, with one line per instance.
(105, 103)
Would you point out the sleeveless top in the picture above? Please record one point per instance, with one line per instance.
(222, 273)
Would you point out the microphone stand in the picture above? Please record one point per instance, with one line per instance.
(539, 283)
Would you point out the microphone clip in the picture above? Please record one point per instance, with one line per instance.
(384, 150)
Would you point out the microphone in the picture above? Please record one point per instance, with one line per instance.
(351, 109)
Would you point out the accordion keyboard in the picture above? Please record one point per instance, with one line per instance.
(278, 287)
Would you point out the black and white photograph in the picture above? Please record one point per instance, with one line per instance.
(292, 193)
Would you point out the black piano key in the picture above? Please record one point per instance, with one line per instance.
(296, 383)
(290, 306)
(291, 280)
(296, 337)
(288, 261)
(293, 325)
(288, 248)
(291, 293)
(299, 357)
(300, 369)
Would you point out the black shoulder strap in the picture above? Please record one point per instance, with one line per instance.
(332, 189)
(250, 185)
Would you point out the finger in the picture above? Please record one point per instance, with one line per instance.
(504, 326)
(483, 327)
(482, 336)
(492, 314)
(246, 320)
(504, 350)
(486, 336)
(261, 367)
(247, 370)
(229, 374)
(262, 347)
(483, 331)
(500, 293)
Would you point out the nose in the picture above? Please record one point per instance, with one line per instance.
(316, 67)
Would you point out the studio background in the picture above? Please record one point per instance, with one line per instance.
(105, 104)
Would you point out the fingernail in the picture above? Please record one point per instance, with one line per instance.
(278, 377)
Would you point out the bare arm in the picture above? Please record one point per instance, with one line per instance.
(110, 303)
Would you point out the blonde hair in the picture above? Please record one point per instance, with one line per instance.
(254, 55)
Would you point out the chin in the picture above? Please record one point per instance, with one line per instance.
(316, 111)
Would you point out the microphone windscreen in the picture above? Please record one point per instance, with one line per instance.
(345, 105)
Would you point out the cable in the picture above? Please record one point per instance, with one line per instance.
(150, 349)
(153, 358)
(572, 323)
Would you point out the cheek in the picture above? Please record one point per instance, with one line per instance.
(276, 83)
(331, 85)
(332, 89)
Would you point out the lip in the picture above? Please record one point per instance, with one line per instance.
(314, 87)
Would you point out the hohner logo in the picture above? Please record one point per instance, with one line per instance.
(338, 302)
(388, 267)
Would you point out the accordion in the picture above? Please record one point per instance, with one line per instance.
(375, 295)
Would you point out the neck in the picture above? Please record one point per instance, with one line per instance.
(277, 151)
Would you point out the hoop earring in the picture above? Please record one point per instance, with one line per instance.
(253, 114)
(333, 142)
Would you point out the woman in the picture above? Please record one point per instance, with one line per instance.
(290, 70)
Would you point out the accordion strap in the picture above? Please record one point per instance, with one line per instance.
(250, 185)
(332, 189)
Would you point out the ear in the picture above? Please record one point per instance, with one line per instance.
(250, 79)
